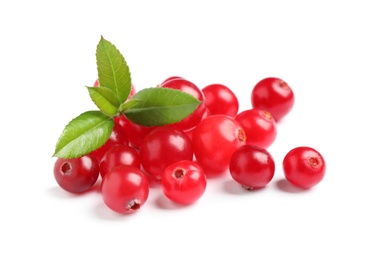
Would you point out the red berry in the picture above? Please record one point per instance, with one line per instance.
(118, 136)
(132, 92)
(252, 167)
(125, 189)
(134, 132)
(214, 140)
(190, 131)
(76, 175)
(273, 95)
(96, 83)
(162, 147)
(304, 167)
(120, 154)
(188, 87)
(183, 182)
(171, 78)
(221, 100)
(259, 126)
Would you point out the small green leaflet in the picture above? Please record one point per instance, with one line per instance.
(160, 106)
(84, 134)
(112, 69)
(105, 100)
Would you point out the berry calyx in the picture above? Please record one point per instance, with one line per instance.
(163, 146)
(184, 182)
(274, 95)
(76, 175)
(125, 189)
(214, 140)
(304, 167)
(259, 126)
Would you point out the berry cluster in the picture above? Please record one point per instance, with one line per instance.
(181, 156)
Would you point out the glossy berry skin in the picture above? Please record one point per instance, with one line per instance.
(220, 99)
(163, 146)
(184, 182)
(214, 140)
(120, 154)
(273, 95)
(125, 189)
(188, 87)
(252, 167)
(304, 167)
(76, 175)
(134, 132)
(259, 126)
(170, 79)
(117, 136)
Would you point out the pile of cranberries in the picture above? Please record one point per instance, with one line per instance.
(216, 138)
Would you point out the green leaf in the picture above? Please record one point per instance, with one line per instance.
(160, 106)
(112, 69)
(105, 100)
(128, 104)
(84, 134)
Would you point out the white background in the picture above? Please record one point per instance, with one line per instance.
(323, 49)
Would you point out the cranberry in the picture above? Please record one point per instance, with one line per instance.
(214, 140)
(190, 131)
(259, 126)
(221, 100)
(252, 167)
(96, 83)
(76, 175)
(134, 132)
(118, 136)
(170, 79)
(120, 154)
(304, 167)
(132, 92)
(184, 182)
(188, 87)
(273, 95)
(162, 147)
(125, 189)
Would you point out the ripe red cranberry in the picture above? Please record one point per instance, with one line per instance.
(120, 154)
(171, 78)
(163, 146)
(304, 167)
(183, 182)
(259, 126)
(221, 100)
(252, 167)
(188, 87)
(214, 140)
(190, 131)
(118, 136)
(125, 189)
(273, 95)
(134, 132)
(76, 175)
(96, 83)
